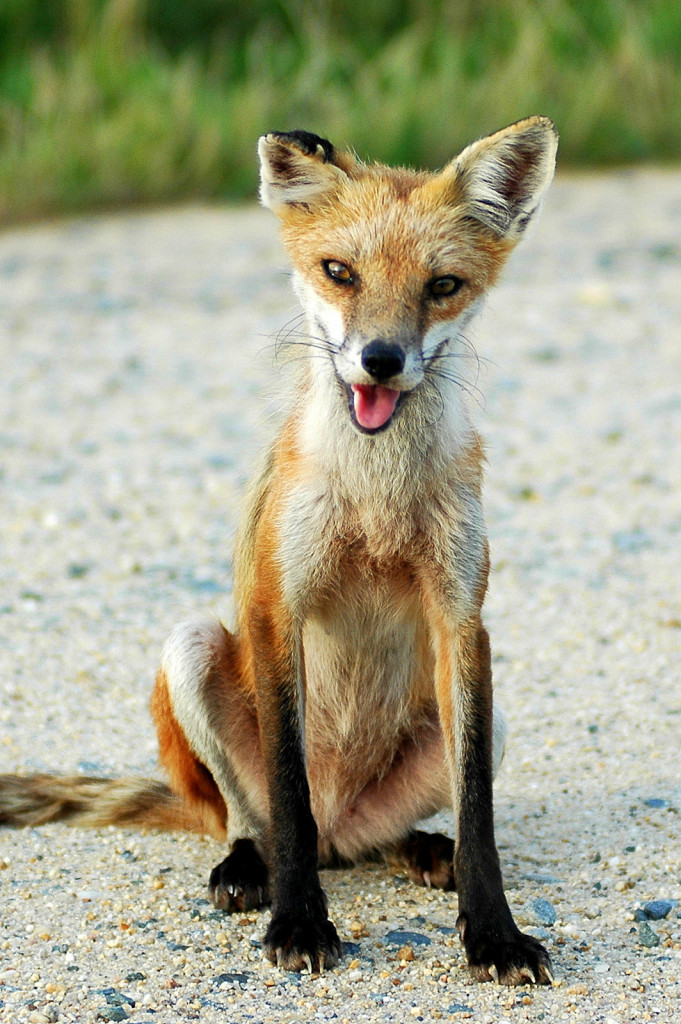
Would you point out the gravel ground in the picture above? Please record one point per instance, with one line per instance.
(136, 387)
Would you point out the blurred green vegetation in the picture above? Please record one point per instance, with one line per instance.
(105, 102)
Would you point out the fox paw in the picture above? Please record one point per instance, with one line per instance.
(241, 881)
(429, 857)
(296, 942)
(510, 959)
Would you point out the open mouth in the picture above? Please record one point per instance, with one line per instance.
(373, 406)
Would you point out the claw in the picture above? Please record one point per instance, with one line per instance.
(308, 961)
(426, 878)
(528, 973)
(494, 972)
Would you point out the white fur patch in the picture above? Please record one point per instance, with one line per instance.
(320, 311)
(499, 734)
(187, 658)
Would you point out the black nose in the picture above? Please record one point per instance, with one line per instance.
(383, 359)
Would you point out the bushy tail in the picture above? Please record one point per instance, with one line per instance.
(29, 800)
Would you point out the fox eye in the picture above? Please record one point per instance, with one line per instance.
(338, 271)
(445, 286)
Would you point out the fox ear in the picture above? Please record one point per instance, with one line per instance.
(296, 168)
(502, 179)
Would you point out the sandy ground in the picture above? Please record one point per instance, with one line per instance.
(135, 388)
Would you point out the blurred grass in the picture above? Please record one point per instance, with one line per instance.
(105, 102)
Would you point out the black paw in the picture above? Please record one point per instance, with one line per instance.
(295, 942)
(241, 881)
(429, 859)
(512, 958)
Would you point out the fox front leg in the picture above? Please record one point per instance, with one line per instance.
(300, 933)
(495, 947)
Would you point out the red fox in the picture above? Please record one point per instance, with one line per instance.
(355, 696)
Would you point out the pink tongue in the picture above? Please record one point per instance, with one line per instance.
(374, 404)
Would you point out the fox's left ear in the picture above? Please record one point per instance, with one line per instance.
(298, 169)
(501, 180)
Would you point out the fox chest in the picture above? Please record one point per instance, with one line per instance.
(368, 666)
(369, 688)
(363, 567)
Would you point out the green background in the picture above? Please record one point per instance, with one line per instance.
(111, 102)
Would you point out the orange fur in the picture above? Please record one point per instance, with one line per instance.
(187, 775)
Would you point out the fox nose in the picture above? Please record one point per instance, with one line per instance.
(383, 359)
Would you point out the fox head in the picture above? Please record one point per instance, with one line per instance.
(391, 264)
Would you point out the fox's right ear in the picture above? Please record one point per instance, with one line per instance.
(298, 168)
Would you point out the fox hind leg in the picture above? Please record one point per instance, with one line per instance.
(208, 733)
(241, 881)
(429, 856)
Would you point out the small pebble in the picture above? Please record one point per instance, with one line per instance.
(113, 1013)
(231, 978)
(539, 912)
(543, 934)
(115, 998)
(646, 935)
(87, 895)
(657, 910)
(402, 938)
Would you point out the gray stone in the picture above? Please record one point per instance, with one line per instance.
(116, 998)
(646, 935)
(539, 912)
(113, 1013)
(543, 934)
(657, 910)
(231, 978)
(398, 937)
